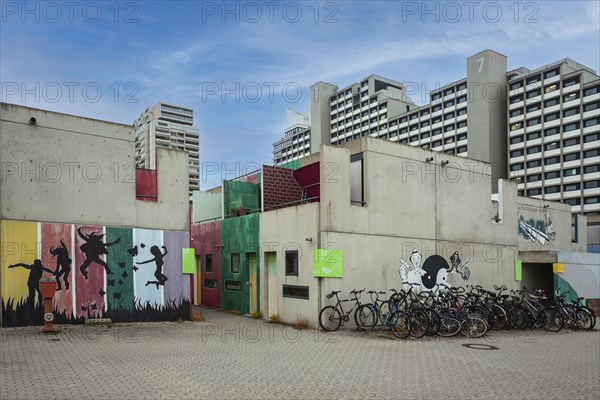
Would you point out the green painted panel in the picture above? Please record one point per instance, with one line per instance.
(119, 285)
(328, 263)
(188, 261)
(237, 195)
(295, 164)
(518, 271)
(272, 263)
(561, 286)
(239, 235)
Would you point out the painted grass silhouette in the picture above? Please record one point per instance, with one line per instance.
(23, 314)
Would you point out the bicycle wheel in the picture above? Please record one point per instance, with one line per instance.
(554, 320)
(499, 317)
(449, 326)
(365, 316)
(474, 311)
(434, 321)
(330, 319)
(399, 322)
(584, 319)
(473, 327)
(569, 314)
(419, 323)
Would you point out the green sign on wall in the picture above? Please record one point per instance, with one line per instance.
(518, 271)
(188, 261)
(328, 263)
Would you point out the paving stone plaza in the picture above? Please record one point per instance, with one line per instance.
(230, 356)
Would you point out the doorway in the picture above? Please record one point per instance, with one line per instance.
(539, 276)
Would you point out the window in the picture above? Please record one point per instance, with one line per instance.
(571, 111)
(461, 99)
(551, 160)
(552, 189)
(208, 263)
(570, 157)
(571, 172)
(588, 169)
(551, 73)
(516, 153)
(534, 107)
(570, 142)
(591, 184)
(591, 106)
(517, 112)
(448, 91)
(449, 140)
(436, 96)
(551, 175)
(533, 121)
(448, 115)
(534, 192)
(291, 263)
(413, 116)
(449, 128)
(461, 124)
(590, 153)
(424, 112)
(235, 263)
(413, 138)
(534, 149)
(573, 202)
(571, 187)
(533, 93)
(552, 146)
(236, 286)
(570, 96)
(534, 135)
(448, 103)
(436, 131)
(435, 108)
(533, 164)
(516, 85)
(551, 102)
(550, 88)
(461, 149)
(424, 135)
(516, 99)
(570, 127)
(296, 292)
(210, 283)
(591, 122)
(437, 143)
(571, 82)
(591, 91)
(534, 178)
(516, 167)
(534, 79)
(514, 127)
(551, 117)
(462, 86)
(436, 120)
(591, 138)
(591, 200)
(424, 123)
(461, 111)
(449, 151)
(516, 139)
(551, 131)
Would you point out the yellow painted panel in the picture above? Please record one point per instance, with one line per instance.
(558, 268)
(19, 245)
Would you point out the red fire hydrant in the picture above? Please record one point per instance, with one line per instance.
(48, 288)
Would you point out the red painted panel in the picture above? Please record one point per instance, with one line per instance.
(88, 292)
(308, 177)
(59, 258)
(146, 187)
(206, 240)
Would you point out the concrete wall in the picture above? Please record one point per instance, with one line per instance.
(78, 170)
(287, 229)
(206, 206)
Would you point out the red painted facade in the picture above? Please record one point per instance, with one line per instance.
(206, 240)
(146, 187)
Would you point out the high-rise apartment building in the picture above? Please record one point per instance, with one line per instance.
(168, 126)
(539, 127)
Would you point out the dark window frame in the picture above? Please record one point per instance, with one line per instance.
(295, 296)
(294, 270)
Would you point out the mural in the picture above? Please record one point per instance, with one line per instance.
(540, 231)
(116, 278)
(434, 271)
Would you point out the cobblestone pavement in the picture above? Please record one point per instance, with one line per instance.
(231, 356)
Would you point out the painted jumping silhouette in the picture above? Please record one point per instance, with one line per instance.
(63, 264)
(93, 248)
(158, 259)
(33, 283)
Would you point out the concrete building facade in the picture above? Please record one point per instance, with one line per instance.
(172, 127)
(74, 207)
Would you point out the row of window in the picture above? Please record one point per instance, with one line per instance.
(552, 146)
(572, 201)
(565, 173)
(449, 91)
(534, 79)
(555, 160)
(555, 100)
(350, 111)
(432, 109)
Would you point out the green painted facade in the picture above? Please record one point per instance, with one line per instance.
(239, 235)
(237, 195)
(295, 164)
(120, 293)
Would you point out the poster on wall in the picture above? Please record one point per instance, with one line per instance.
(328, 263)
(188, 258)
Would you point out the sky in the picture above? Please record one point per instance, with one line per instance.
(241, 65)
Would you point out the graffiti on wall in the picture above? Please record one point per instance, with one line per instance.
(434, 271)
(537, 230)
(113, 279)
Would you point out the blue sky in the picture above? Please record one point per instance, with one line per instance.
(231, 60)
